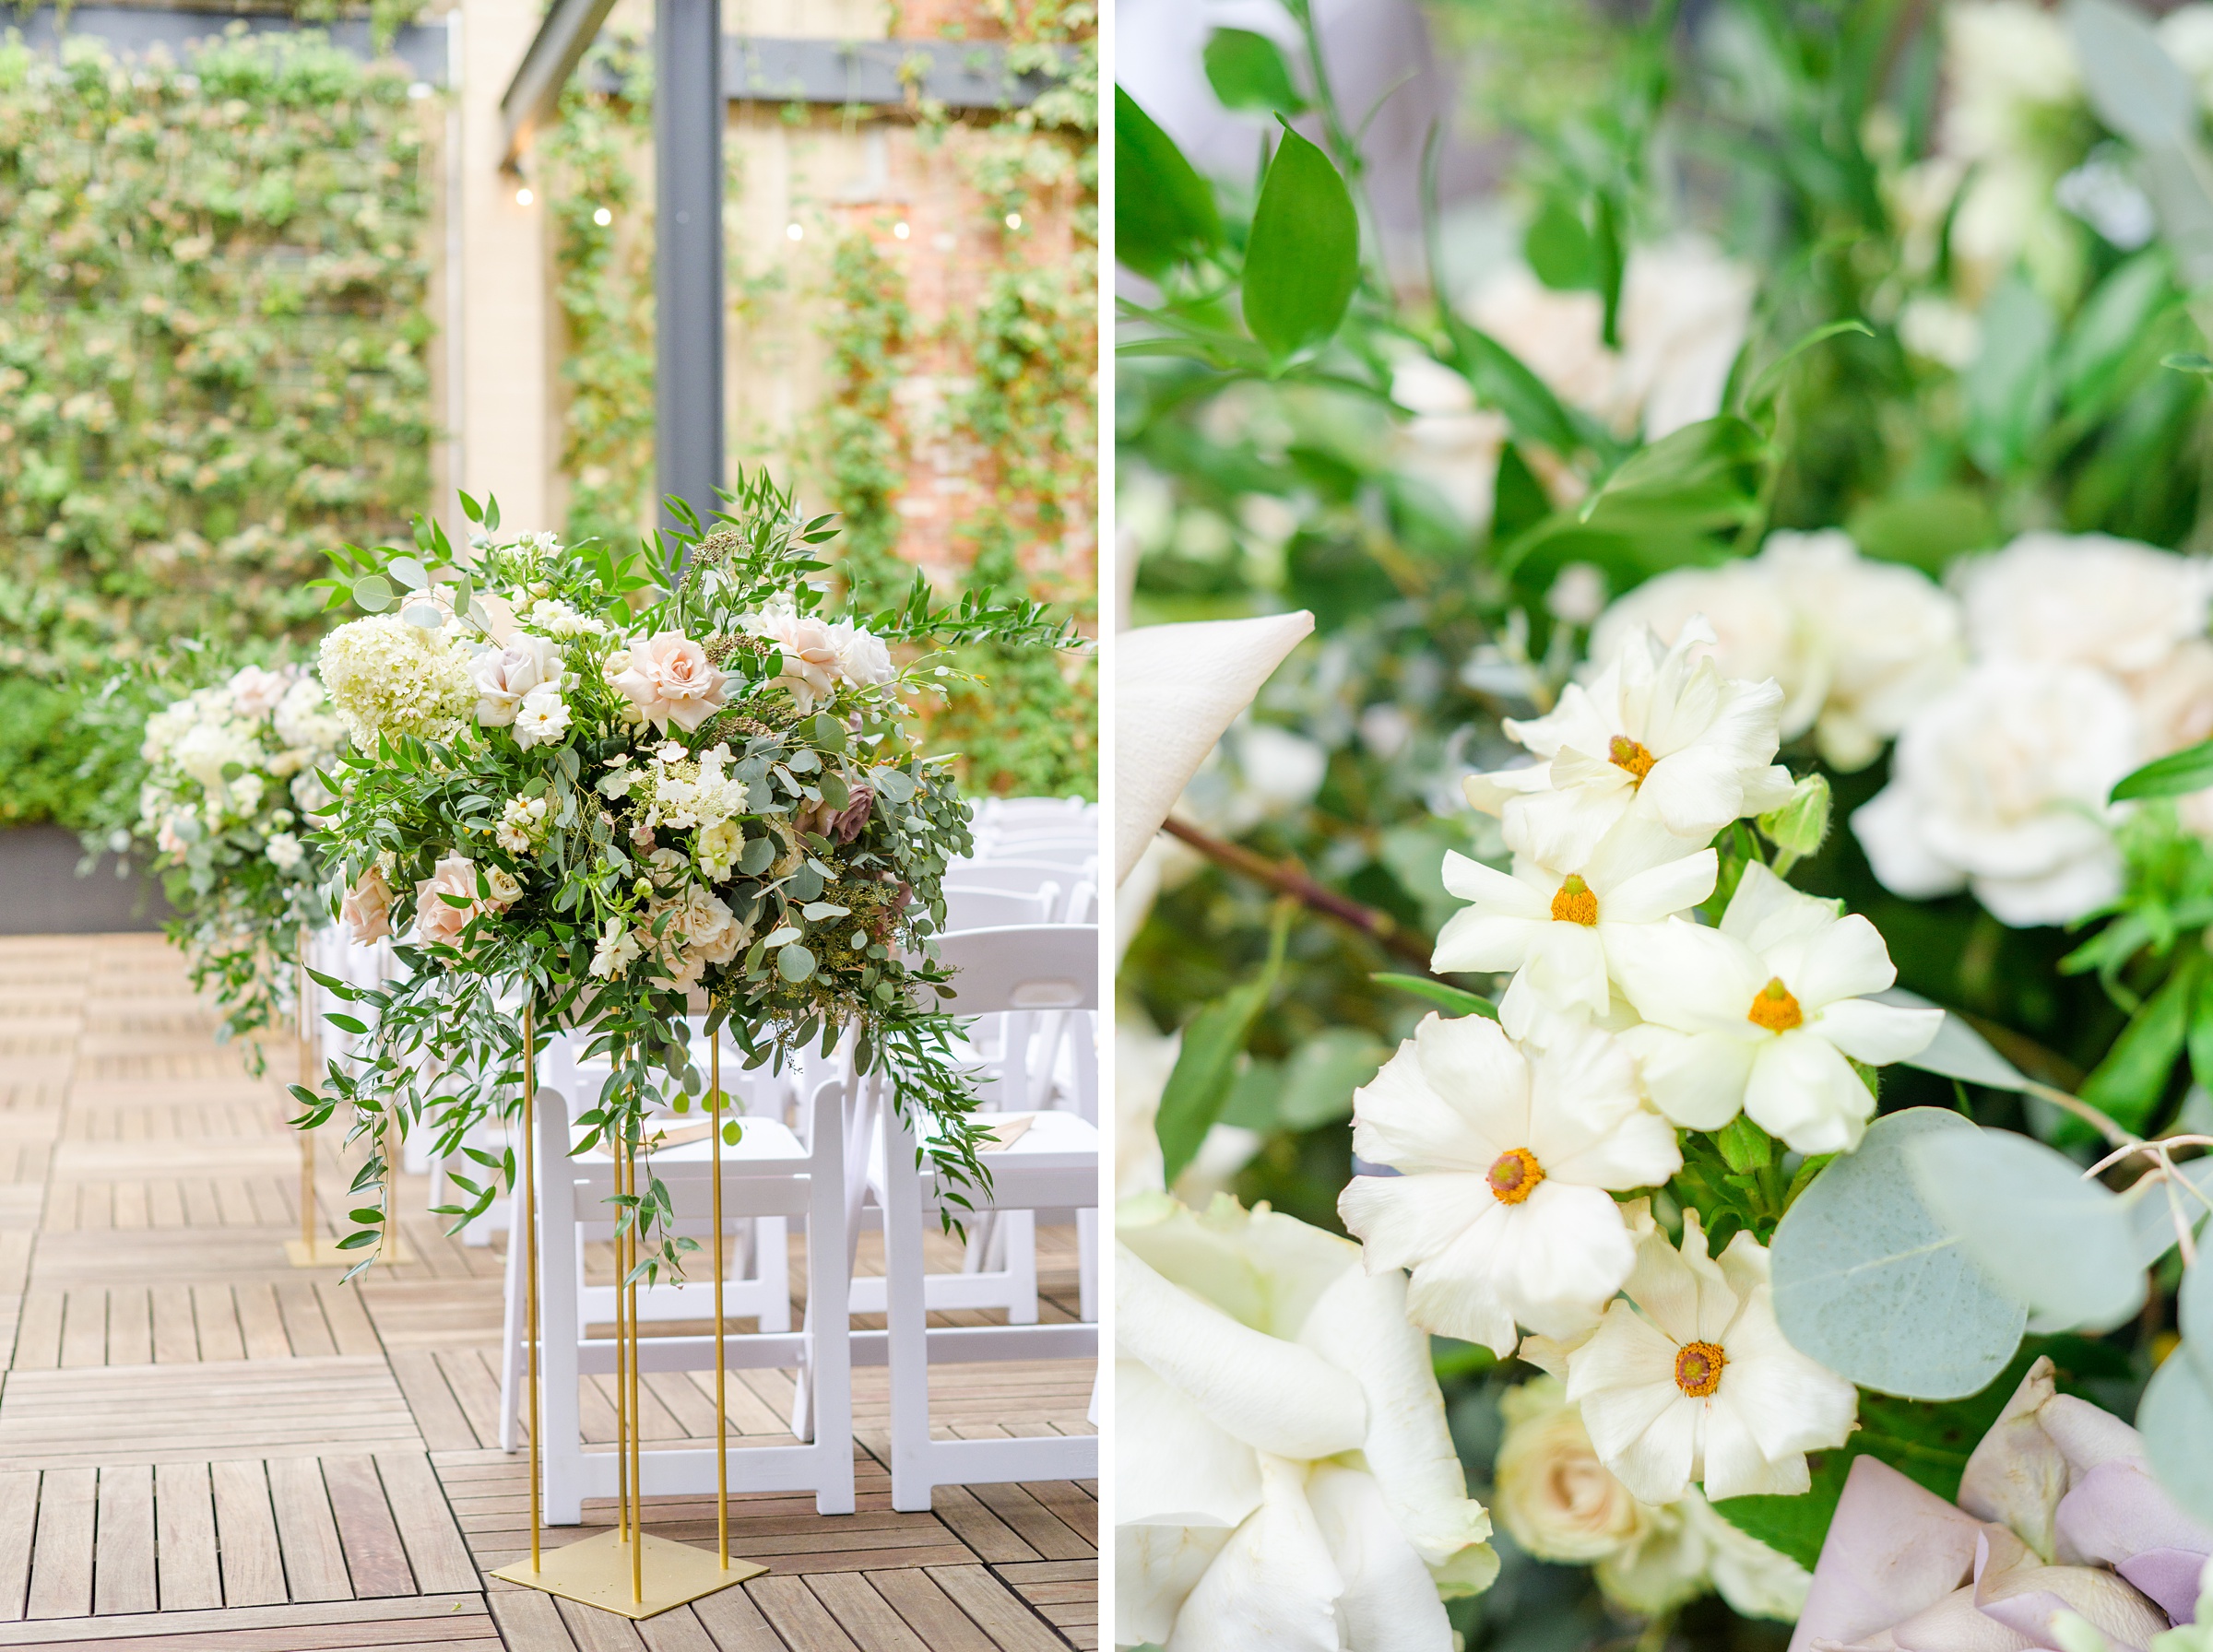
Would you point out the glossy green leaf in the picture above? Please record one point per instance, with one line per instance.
(1319, 1079)
(2009, 387)
(1450, 998)
(1163, 212)
(2175, 775)
(1250, 71)
(2057, 1243)
(1302, 259)
(1559, 249)
(2129, 1084)
(1206, 1065)
(1869, 1281)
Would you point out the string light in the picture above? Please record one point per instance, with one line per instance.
(795, 232)
(901, 231)
(1014, 221)
(522, 197)
(603, 218)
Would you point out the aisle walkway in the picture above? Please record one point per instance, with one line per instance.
(203, 1448)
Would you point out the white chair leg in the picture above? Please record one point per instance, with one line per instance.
(559, 1262)
(1088, 1266)
(771, 1267)
(906, 1340)
(1018, 1231)
(830, 1364)
(511, 1329)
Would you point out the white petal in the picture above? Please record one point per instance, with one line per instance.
(1696, 791)
(1695, 1078)
(1456, 1293)
(1560, 1256)
(1846, 959)
(1362, 1324)
(1785, 1401)
(1479, 941)
(1487, 886)
(1803, 1090)
(1390, 1603)
(1567, 968)
(1469, 1061)
(1684, 976)
(1400, 1119)
(1661, 892)
(1587, 1124)
(1408, 1218)
(1665, 1286)
(1890, 830)
(1178, 688)
(1274, 1588)
(1639, 1423)
(1172, 1466)
(1155, 1569)
(1734, 1466)
(1271, 1393)
(1765, 910)
(1878, 1034)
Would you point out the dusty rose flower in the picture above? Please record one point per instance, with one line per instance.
(367, 909)
(669, 680)
(436, 921)
(850, 822)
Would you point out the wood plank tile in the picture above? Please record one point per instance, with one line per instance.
(997, 1611)
(19, 1522)
(315, 1564)
(791, 1607)
(865, 1615)
(246, 1534)
(61, 1567)
(438, 1557)
(375, 1557)
(190, 1575)
(123, 1575)
(925, 1608)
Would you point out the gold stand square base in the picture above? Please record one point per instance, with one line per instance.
(596, 1572)
(326, 1253)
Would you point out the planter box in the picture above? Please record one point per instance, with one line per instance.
(42, 894)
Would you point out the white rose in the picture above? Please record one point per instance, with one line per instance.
(1284, 1474)
(1450, 442)
(1551, 1493)
(862, 659)
(504, 677)
(2001, 785)
(2085, 599)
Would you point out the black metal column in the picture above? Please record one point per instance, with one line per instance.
(687, 134)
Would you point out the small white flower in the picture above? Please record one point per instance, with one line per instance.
(1690, 1379)
(284, 851)
(1659, 732)
(1761, 1014)
(617, 949)
(1504, 1209)
(256, 693)
(1555, 926)
(543, 719)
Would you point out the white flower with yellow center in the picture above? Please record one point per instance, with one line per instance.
(1766, 1014)
(1285, 1479)
(1553, 925)
(1504, 1206)
(1690, 1378)
(1660, 732)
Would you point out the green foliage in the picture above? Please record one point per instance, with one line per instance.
(211, 351)
(1302, 260)
(863, 452)
(1206, 1067)
(40, 752)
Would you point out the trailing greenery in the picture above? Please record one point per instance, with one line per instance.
(212, 337)
(862, 448)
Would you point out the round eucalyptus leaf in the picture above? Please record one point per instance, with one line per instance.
(373, 592)
(2060, 1245)
(410, 572)
(2175, 1418)
(424, 616)
(795, 962)
(1870, 1283)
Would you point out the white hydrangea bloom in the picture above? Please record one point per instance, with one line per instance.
(1509, 1162)
(387, 676)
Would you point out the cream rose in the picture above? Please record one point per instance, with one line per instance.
(809, 651)
(862, 659)
(2085, 599)
(1552, 1493)
(437, 922)
(367, 910)
(504, 677)
(669, 680)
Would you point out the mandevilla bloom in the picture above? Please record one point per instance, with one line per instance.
(1690, 1379)
(1762, 1013)
(1555, 925)
(1286, 1480)
(1505, 1208)
(1660, 734)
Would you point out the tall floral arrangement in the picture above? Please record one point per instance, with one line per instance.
(606, 787)
(231, 776)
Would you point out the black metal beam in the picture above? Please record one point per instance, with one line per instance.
(688, 293)
(135, 28)
(958, 74)
(559, 46)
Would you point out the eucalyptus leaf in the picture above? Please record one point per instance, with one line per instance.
(1958, 1051)
(2175, 1417)
(423, 616)
(372, 593)
(1868, 1281)
(2136, 88)
(2058, 1242)
(795, 962)
(408, 572)
(1302, 259)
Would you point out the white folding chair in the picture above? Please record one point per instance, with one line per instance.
(1078, 850)
(982, 905)
(1052, 1165)
(771, 1172)
(1032, 813)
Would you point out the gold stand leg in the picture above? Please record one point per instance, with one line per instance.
(608, 1571)
(722, 1413)
(531, 1264)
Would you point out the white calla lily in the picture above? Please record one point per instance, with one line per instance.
(1285, 1476)
(1766, 1014)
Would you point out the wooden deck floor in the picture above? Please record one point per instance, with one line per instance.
(202, 1449)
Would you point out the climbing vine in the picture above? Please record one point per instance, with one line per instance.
(211, 352)
(862, 451)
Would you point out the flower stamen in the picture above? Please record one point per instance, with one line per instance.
(1575, 903)
(1699, 1368)
(1632, 755)
(1514, 1175)
(1774, 1008)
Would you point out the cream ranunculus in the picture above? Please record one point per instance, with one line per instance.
(1286, 1482)
(1549, 1490)
(1661, 734)
(669, 680)
(437, 921)
(503, 677)
(366, 911)
(1690, 1378)
(2085, 599)
(1766, 1013)
(1509, 1162)
(2000, 785)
